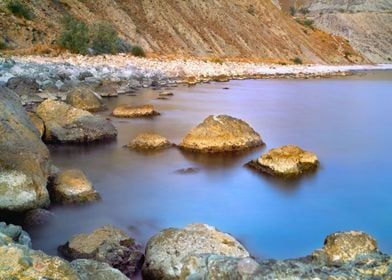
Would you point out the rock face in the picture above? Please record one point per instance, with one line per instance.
(37, 122)
(85, 99)
(72, 186)
(221, 134)
(286, 161)
(66, 124)
(166, 250)
(106, 244)
(93, 270)
(149, 141)
(128, 111)
(24, 160)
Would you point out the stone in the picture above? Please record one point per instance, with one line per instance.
(13, 234)
(37, 217)
(66, 124)
(286, 161)
(107, 89)
(23, 85)
(93, 270)
(166, 94)
(221, 134)
(24, 161)
(72, 186)
(85, 74)
(149, 141)
(106, 244)
(166, 251)
(85, 99)
(37, 122)
(128, 111)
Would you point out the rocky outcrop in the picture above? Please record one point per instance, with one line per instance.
(221, 134)
(24, 160)
(128, 111)
(106, 244)
(93, 270)
(66, 124)
(166, 251)
(72, 186)
(149, 141)
(286, 161)
(85, 99)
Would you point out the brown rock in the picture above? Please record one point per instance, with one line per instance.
(38, 123)
(149, 141)
(128, 111)
(85, 99)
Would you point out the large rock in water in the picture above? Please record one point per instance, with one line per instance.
(128, 111)
(149, 141)
(93, 270)
(85, 99)
(286, 161)
(64, 123)
(221, 134)
(106, 244)
(166, 251)
(24, 160)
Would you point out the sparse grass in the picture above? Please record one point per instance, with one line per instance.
(138, 51)
(19, 9)
(347, 54)
(251, 10)
(75, 35)
(297, 60)
(306, 22)
(216, 60)
(304, 11)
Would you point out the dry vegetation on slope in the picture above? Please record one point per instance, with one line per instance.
(240, 28)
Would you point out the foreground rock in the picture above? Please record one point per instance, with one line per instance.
(85, 99)
(128, 111)
(149, 141)
(106, 244)
(286, 161)
(66, 124)
(166, 250)
(19, 261)
(72, 186)
(37, 122)
(93, 270)
(221, 134)
(365, 263)
(24, 160)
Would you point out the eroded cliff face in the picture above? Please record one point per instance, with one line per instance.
(240, 28)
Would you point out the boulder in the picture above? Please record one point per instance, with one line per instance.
(66, 124)
(93, 270)
(24, 161)
(166, 251)
(38, 123)
(107, 89)
(106, 244)
(85, 99)
(10, 234)
(23, 86)
(149, 141)
(128, 111)
(72, 186)
(286, 161)
(221, 134)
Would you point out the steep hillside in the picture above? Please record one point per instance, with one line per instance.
(240, 28)
(366, 24)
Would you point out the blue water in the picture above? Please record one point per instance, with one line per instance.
(346, 121)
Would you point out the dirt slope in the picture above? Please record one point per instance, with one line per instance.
(238, 28)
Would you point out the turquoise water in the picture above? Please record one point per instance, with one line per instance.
(346, 121)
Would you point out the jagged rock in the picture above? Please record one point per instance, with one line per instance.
(37, 217)
(24, 161)
(85, 99)
(93, 270)
(64, 123)
(128, 111)
(37, 122)
(166, 251)
(286, 161)
(72, 186)
(149, 141)
(106, 244)
(221, 134)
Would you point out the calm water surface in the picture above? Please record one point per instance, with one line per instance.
(347, 122)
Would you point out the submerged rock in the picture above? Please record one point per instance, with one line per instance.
(221, 134)
(37, 122)
(93, 270)
(166, 94)
(85, 99)
(24, 160)
(106, 244)
(149, 141)
(128, 111)
(166, 251)
(37, 217)
(66, 124)
(72, 186)
(286, 161)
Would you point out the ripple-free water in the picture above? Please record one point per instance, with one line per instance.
(346, 121)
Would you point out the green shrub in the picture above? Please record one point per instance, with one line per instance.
(297, 60)
(104, 39)
(292, 11)
(123, 46)
(19, 9)
(75, 35)
(304, 11)
(3, 44)
(138, 51)
(308, 22)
